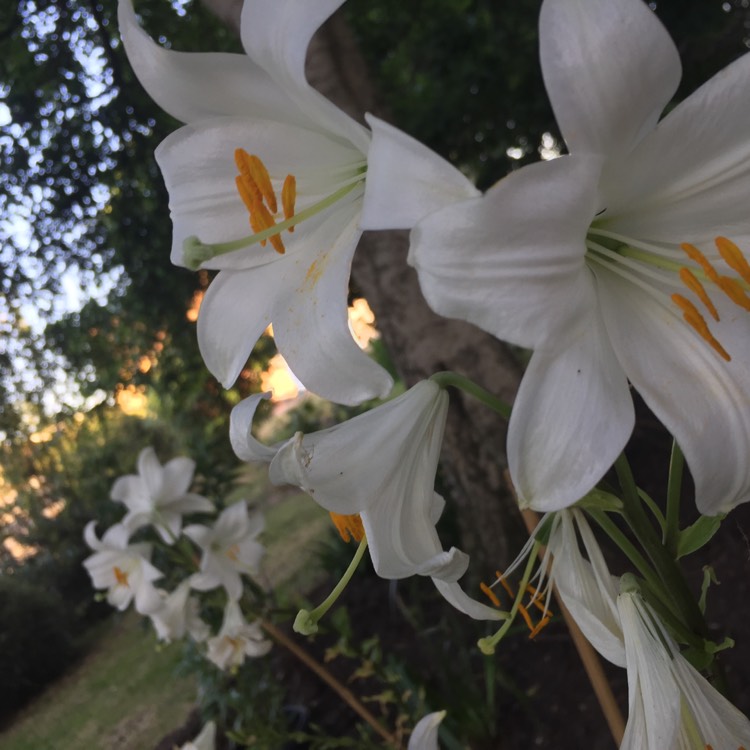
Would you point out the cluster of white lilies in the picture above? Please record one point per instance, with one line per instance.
(620, 263)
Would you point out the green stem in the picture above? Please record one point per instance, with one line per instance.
(447, 378)
(674, 584)
(307, 622)
(674, 490)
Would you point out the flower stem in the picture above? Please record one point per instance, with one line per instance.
(674, 584)
(447, 378)
(307, 621)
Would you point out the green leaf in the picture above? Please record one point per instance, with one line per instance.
(694, 537)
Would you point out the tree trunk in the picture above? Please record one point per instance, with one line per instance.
(422, 343)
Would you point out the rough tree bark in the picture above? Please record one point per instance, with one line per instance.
(420, 342)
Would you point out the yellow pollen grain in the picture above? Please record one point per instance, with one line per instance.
(695, 319)
(233, 552)
(349, 526)
(733, 257)
(489, 593)
(121, 576)
(689, 279)
(288, 197)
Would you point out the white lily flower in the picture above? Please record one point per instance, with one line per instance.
(229, 549)
(425, 734)
(394, 495)
(179, 615)
(237, 639)
(671, 706)
(159, 495)
(613, 262)
(302, 164)
(124, 569)
(206, 740)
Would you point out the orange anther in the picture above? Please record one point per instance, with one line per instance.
(248, 191)
(267, 221)
(691, 282)
(695, 319)
(536, 598)
(733, 289)
(121, 576)
(349, 526)
(526, 616)
(541, 625)
(289, 196)
(733, 257)
(694, 254)
(504, 583)
(489, 593)
(255, 174)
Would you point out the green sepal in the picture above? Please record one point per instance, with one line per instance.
(695, 536)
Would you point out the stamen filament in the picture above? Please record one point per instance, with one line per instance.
(306, 622)
(197, 252)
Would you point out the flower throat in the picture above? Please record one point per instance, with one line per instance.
(645, 263)
(256, 191)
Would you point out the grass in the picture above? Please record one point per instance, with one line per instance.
(125, 695)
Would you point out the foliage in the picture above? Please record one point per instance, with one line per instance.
(36, 643)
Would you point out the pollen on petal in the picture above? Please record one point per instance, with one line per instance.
(349, 526)
(695, 319)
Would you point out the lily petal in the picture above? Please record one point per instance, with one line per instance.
(493, 262)
(279, 44)
(192, 86)
(697, 191)
(406, 181)
(335, 368)
(688, 386)
(596, 56)
(244, 445)
(425, 734)
(456, 596)
(572, 417)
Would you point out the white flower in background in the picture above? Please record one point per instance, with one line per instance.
(237, 639)
(206, 740)
(179, 615)
(425, 734)
(615, 263)
(264, 152)
(671, 706)
(124, 569)
(380, 465)
(159, 495)
(229, 549)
